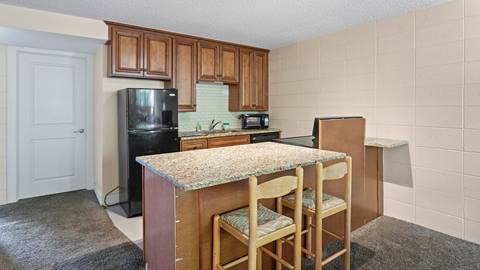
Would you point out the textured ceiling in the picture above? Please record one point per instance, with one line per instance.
(263, 23)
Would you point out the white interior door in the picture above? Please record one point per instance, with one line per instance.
(51, 122)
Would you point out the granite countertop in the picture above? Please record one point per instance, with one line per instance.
(384, 142)
(192, 170)
(307, 141)
(192, 135)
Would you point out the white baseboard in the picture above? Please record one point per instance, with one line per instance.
(99, 196)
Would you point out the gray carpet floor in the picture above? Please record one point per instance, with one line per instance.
(71, 231)
(68, 231)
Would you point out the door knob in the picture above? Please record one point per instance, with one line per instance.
(79, 131)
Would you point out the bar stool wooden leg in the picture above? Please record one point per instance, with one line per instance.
(297, 263)
(318, 216)
(318, 243)
(279, 243)
(259, 259)
(216, 242)
(347, 240)
(308, 239)
(252, 256)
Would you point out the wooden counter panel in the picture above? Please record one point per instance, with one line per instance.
(347, 136)
(158, 222)
(187, 237)
(373, 183)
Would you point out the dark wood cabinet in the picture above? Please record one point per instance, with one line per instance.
(251, 94)
(215, 142)
(140, 54)
(229, 67)
(182, 61)
(228, 141)
(184, 77)
(260, 81)
(196, 144)
(217, 62)
(126, 56)
(207, 61)
(157, 56)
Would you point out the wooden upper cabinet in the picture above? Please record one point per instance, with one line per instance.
(217, 62)
(260, 81)
(184, 78)
(182, 61)
(246, 80)
(208, 61)
(157, 56)
(139, 53)
(228, 64)
(251, 94)
(126, 55)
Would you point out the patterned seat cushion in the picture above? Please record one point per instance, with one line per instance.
(329, 201)
(268, 220)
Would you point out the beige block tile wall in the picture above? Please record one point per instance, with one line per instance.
(414, 77)
(3, 123)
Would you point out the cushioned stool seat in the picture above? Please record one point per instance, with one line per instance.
(268, 220)
(329, 201)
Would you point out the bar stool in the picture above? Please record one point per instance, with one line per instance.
(256, 225)
(330, 205)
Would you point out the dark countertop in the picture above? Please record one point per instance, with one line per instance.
(305, 141)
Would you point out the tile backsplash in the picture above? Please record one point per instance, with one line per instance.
(212, 103)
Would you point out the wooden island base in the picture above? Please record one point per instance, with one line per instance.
(178, 224)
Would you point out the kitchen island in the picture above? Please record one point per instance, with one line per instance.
(183, 191)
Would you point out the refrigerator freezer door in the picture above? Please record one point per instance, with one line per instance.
(151, 109)
(143, 144)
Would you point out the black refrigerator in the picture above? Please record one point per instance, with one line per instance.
(147, 125)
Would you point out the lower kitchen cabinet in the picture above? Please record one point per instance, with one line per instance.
(228, 141)
(196, 144)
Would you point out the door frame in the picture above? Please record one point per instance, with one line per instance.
(12, 117)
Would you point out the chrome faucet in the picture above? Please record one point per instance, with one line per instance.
(213, 124)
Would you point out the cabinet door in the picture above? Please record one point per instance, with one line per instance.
(126, 54)
(207, 62)
(157, 56)
(246, 95)
(228, 141)
(229, 64)
(260, 81)
(195, 144)
(184, 75)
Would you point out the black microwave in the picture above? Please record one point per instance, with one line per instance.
(250, 121)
